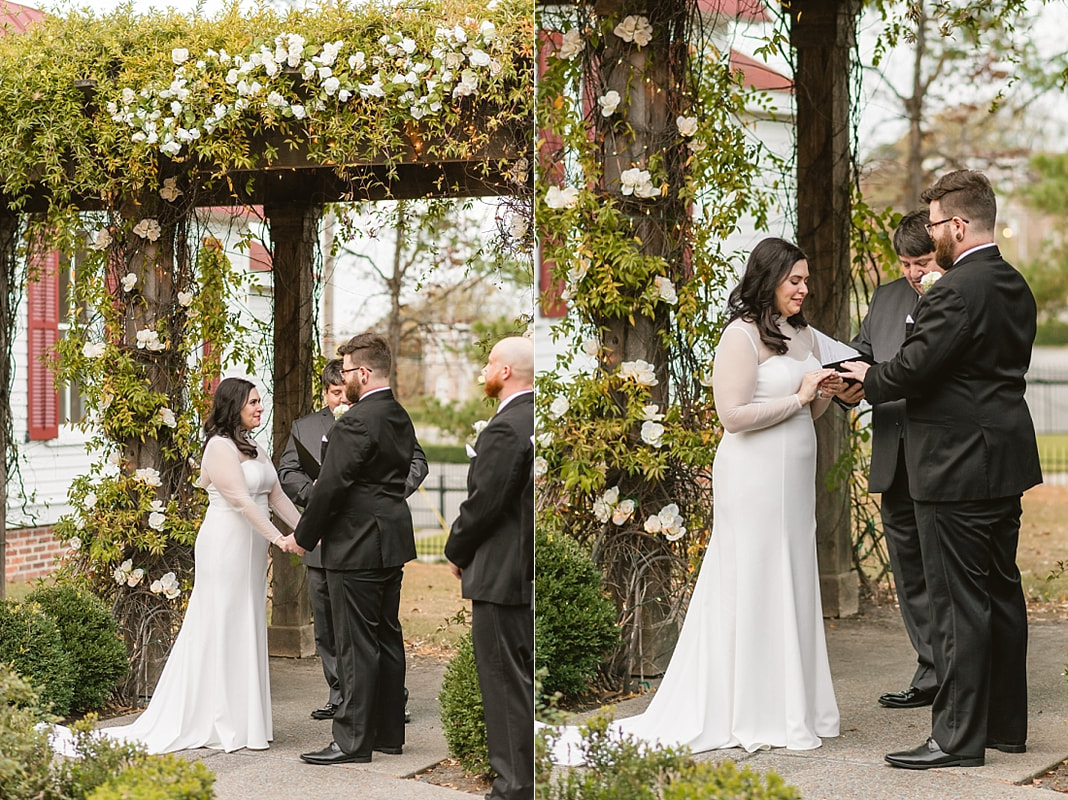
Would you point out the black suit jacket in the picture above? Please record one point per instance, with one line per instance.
(311, 430)
(882, 332)
(493, 538)
(969, 434)
(357, 506)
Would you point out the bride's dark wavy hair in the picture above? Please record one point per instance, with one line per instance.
(224, 419)
(754, 298)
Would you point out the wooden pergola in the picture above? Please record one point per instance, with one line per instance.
(293, 190)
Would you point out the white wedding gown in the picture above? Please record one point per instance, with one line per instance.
(750, 667)
(214, 690)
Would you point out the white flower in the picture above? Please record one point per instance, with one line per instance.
(93, 349)
(488, 30)
(185, 298)
(75, 543)
(357, 61)
(89, 501)
(148, 475)
(101, 239)
(299, 112)
(637, 182)
(670, 522)
(634, 29)
(609, 102)
(331, 85)
(687, 125)
(611, 497)
(276, 100)
(591, 346)
(697, 145)
(339, 410)
(555, 197)
(518, 226)
(571, 45)
(170, 191)
(119, 576)
(652, 433)
(600, 510)
(545, 439)
(167, 585)
(128, 282)
(179, 55)
(148, 229)
(541, 467)
(929, 279)
(156, 520)
(135, 577)
(122, 572)
(641, 372)
(666, 289)
(156, 505)
(468, 84)
(652, 412)
(168, 417)
(652, 524)
(559, 407)
(479, 425)
(479, 58)
(623, 512)
(148, 339)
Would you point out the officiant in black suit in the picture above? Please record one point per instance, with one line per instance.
(357, 509)
(881, 335)
(311, 431)
(971, 453)
(491, 549)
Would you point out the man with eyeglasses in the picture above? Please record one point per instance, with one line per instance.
(882, 332)
(357, 509)
(311, 432)
(971, 453)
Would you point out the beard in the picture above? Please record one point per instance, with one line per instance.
(945, 253)
(493, 386)
(352, 392)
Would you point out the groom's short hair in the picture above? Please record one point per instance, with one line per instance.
(911, 238)
(965, 193)
(332, 374)
(368, 350)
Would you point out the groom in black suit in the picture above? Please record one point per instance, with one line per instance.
(971, 452)
(358, 510)
(881, 335)
(491, 549)
(311, 431)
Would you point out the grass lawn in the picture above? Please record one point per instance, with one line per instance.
(1044, 542)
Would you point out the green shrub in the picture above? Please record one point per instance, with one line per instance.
(32, 644)
(99, 760)
(461, 710)
(167, 777)
(91, 639)
(24, 751)
(575, 624)
(627, 769)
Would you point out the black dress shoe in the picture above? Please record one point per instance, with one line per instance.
(334, 755)
(390, 751)
(1007, 748)
(930, 756)
(910, 698)
(326, 712)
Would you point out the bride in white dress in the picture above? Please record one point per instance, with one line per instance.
(750, 668)
(214, 690)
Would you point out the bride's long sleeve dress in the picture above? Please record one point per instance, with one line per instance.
(750, 668)
(214, 690)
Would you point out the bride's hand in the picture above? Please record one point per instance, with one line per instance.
(810, 384)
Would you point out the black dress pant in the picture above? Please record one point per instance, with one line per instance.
(503, 639)
(979, 622)
(323, 619)
(370, 658)
(906, 560)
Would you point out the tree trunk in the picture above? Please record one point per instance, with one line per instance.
(823, 32)
(394, 283)
(8, 231)
(916, 181)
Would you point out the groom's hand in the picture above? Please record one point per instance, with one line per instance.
(456, 571)
(857, 370)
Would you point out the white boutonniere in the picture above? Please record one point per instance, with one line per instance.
(339, 410)
(929, 280)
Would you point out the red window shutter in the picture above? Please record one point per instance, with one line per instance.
(42, 301)
(259, 258)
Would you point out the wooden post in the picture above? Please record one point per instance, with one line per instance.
(294, 237)
(823, 32)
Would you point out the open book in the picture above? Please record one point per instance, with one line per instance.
(834, 352)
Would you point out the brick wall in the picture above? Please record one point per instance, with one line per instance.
(31, 553)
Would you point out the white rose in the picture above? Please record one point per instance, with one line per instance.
(179, 55)
(148, 475)
(479, 58)
(652, 412)
(559, 407)
(339, 410)
(518, 226)
(652, 524)
(156, 505)
(545, 439)
(611, 497)
(101, 240)
(93, 349)
(591, 347)
(666, 289)
(600, 510)
(89, 501)
(156, 520)
(623, 512)
(168, 418)
(634, 29)
(687, 125)
(135, 577)
(185, 298)
(571, 44)
(128, 282)
(633, 179)
(170, 191)
(541, 467)
(75, 543)
(555, 197)
(929, 279)
(641, 372)
(331, 85)
(148, 229)
(609, 102)
(652, 433)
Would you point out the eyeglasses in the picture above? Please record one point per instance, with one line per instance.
(929, 225)
(353, 369)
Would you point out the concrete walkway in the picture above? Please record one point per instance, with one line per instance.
(297, 687)
(870, 655)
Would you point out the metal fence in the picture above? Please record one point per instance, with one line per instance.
(1047, 397)
(435, 505)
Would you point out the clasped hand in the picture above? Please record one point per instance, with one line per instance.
(822, 383)
(289, 545)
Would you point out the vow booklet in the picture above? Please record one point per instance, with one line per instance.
(308, 462)
(834, 352)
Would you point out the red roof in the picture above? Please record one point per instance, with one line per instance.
(758, 75)
(17, 18)
(751, 10)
